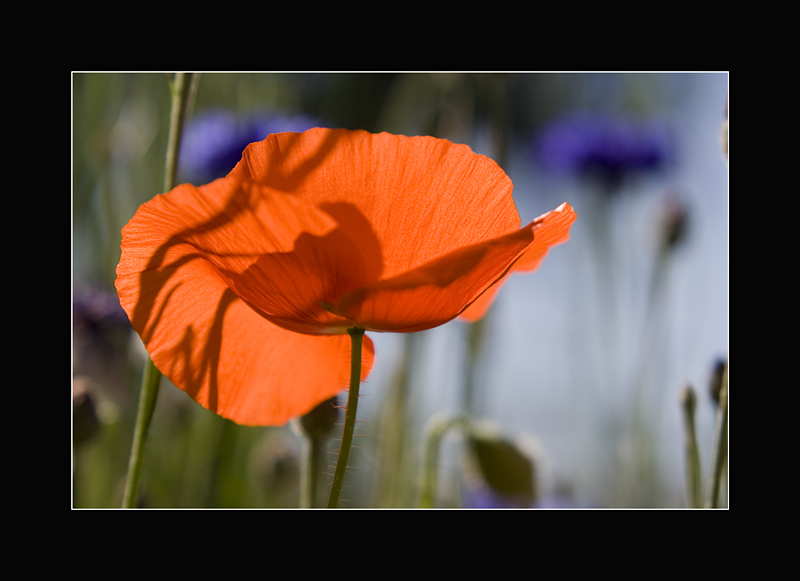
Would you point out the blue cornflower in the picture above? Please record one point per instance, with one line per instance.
(605, 147)
(213, 142)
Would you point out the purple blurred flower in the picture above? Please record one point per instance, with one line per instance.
(100, 333)
(605, 147)
(95, 307)
(213, 142)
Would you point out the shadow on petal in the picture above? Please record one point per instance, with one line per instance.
(435, 292)
(298, 160)
(289, 288)
(190, 374)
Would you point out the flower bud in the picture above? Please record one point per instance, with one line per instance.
(675, 221)
(689, 400)
(715, 382)
(320, 421)
(505, 466)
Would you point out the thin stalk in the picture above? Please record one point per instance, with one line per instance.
(312, 457)
(720, 444)
(357, 337)
(439, 426)
(147, 403)
(180, 89)
(694, 493)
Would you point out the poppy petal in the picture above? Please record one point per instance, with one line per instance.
(228, 358)
(198, 332)
(549, 229)
(422, 197)
(288, 288)
(436, 292)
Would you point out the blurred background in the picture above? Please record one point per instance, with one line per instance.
(579, 367)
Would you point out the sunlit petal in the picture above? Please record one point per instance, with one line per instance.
(422, 197)
(230, 359)
(436, 292)
(549, 229)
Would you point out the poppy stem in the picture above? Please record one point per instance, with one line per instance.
(356, 336)
(180, 89)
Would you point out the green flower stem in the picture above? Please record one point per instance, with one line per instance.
(720, 453)
(694, 493)
(147, 403)
(357, 337)
(180, 89)
(437, 429)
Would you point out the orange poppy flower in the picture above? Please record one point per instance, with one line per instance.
(243, 289)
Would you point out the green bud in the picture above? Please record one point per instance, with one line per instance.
(715, 382)
(504, 464)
